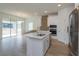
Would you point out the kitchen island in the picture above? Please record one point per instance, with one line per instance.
(37, 43)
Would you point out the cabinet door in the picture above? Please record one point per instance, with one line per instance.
(46, 44)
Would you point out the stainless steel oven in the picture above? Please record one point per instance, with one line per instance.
(53, 29)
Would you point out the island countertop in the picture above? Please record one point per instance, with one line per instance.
(36, 36)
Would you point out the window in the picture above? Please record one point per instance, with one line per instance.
(30, 26)
(7, 25)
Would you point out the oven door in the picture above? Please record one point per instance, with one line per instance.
(53, 31)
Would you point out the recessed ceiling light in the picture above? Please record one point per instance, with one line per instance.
(45, 11)
(59, 5)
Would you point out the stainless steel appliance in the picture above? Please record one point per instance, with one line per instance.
(74, 28)
(53, 29)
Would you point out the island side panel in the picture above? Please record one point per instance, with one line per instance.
(34, 47)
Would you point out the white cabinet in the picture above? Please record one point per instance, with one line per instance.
(37, 47)
(46, 44)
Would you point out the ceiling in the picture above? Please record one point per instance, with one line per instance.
(27, 9)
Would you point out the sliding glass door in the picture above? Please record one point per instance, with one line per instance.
(11, 27)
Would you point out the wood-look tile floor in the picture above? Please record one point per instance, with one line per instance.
(57, 48)
(17, 47)
(13, 46)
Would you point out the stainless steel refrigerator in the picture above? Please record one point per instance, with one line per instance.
(74, 29)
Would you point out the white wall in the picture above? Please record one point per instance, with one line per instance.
(62, 22)
(36, 22)
(53, 20)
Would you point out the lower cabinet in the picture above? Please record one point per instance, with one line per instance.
(46, 44)
(37, 47)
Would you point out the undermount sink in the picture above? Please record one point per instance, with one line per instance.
(40, 34)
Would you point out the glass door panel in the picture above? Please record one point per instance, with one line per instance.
(6, 27)
(13, 28)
